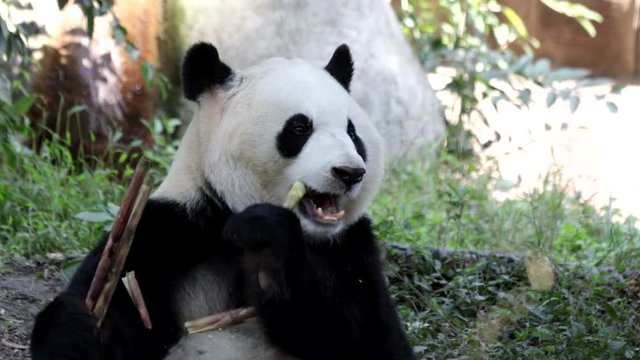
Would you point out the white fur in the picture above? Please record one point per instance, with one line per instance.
(231, 142)
(240, 342)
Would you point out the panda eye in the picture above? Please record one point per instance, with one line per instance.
(300, 125)
(351, 130)
(302, 129)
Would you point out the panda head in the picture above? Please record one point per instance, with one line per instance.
(257, 131)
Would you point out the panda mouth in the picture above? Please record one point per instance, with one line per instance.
(322, 207)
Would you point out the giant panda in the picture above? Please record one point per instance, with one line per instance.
(216, 222)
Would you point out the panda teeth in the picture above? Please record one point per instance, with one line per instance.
(319, 213)
(339, 215)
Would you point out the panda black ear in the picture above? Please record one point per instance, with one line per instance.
(341, 66)
(202, 70)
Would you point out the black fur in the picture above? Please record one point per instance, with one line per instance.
(294, 134)
(360, 148)
(341, 66)
(323, 300)
(202, 70)
(168, 243)
(330, 299)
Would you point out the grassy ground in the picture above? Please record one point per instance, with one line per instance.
(457, 308)
(453, 308)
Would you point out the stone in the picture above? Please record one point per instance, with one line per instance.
(389, 82)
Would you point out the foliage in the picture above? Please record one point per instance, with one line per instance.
(51, 202)
(98, 8)
(582, 14)
(443, 201)
(41, 192)
(491, 53)
(15, 57)
(455, 308)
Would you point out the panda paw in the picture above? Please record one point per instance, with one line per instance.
(271, 237)
(65, 330)
(264, 226)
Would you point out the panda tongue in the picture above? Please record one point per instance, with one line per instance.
(326, 208)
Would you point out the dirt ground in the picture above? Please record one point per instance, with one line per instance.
(23, 293)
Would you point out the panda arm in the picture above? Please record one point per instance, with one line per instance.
(331, 300)
(165, 246)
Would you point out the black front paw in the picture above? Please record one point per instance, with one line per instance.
(65, 330)
(272, 239)
(264, 226)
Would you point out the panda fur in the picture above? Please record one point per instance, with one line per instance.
(216, 222)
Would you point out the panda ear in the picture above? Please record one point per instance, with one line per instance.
(341, 66)
(202, 70)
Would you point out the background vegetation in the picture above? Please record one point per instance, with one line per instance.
(456, 305)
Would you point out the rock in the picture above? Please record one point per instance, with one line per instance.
(389, 82)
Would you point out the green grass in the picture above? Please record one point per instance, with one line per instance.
(463, 309)
(52, 202)
(456, 309)
(41, 195)
(441, 201)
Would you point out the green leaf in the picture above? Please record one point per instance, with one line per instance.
(525, 96)
(613, 108)
(616, 89)
(133, 51)
(113, 209)
(582, 14)
(574, 102)
(551, 98)
(90, 24)
(22, 105)
(593, 82)
(501, 33)
(76, 109)
(69, 269)
(496, 99)
(515, 20)
(564, 74)
(541, 67)
(147, 72)
(91, 216)
(522, 62)
(587, 25)
(119, 34)
(615, 346)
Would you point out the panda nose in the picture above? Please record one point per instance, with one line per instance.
(348, 175)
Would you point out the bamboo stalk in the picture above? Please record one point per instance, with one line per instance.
(119, 256)
(133, 288)
(117, 230)
(220, 320)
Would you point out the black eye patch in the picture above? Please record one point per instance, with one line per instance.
(294, 134)
(360, 148)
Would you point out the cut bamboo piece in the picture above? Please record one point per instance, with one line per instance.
(119, 224)
(133, 288)
(119, 256)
